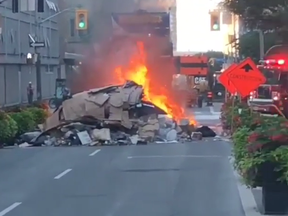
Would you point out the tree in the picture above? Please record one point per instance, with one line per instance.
(249, 44)
(261, 14)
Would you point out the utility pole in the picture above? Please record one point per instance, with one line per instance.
(34, 42)
(38, 58)
(261, 44)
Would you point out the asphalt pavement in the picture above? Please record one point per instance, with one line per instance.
(156, 180)
(207, 115)
(194, 179)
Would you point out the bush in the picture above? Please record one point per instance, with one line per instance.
(266, 141)
(39, 115)
(24, 120)
(8, 128)
(231, 118)
(242, 163)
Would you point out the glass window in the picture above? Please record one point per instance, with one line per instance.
(272, 77)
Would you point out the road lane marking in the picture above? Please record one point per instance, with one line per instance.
(175, 156)
(95, 152)
(207, 117)
(10, 208)
(213, 111)
(62, 174)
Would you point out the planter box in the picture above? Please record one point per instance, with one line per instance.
(275, 199)
(274, 192)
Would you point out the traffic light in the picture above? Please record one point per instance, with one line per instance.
(81, 20)
(215, 21)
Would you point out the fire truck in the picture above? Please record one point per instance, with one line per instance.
(272, 97)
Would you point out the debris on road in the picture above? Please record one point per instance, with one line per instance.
(206, 131)
(112, 115)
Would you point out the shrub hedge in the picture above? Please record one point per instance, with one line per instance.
(20, 120)
(257, 139)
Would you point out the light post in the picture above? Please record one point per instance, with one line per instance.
(37, 54)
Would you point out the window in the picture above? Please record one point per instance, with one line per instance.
(12, 36)
(72, 27)
(272, 77)
(49, 68)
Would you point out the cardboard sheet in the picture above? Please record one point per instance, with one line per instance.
(94, 102)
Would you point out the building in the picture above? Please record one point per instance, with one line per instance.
(15, 74)
(74, 44)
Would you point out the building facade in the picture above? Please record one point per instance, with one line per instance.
(15, 73)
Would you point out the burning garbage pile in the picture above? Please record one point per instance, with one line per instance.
(139, 109)
(112, 115)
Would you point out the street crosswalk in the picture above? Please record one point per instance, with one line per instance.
(206, 115)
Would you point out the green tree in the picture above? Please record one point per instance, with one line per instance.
(261, 14)
(249, 45)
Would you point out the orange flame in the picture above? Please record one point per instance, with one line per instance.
(138, 72)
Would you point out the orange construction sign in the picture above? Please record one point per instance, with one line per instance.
(194, 65)
(246, 77)
(223, 78)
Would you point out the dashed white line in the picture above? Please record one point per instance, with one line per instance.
(62, 174)
(10, 208)
(95, 152)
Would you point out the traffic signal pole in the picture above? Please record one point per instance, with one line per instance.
(261, 44)
(38, 59)
(39, 8)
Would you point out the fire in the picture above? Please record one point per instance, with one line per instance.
(138, 72)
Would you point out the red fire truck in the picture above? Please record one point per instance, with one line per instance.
(272, 97)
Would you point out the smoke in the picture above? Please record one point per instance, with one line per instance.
(99, 70)
(156, 5)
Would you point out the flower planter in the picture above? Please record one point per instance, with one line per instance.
(274, 192)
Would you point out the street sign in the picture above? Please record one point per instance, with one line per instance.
(246, 77)
(223, 78)
(37, 44)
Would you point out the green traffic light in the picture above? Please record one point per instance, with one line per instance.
(81, 25)
(215, 27)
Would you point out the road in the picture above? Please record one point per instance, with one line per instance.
(208, 116)
(194, 179)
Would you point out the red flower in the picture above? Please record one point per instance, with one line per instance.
(253, 137)
(278, 138)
